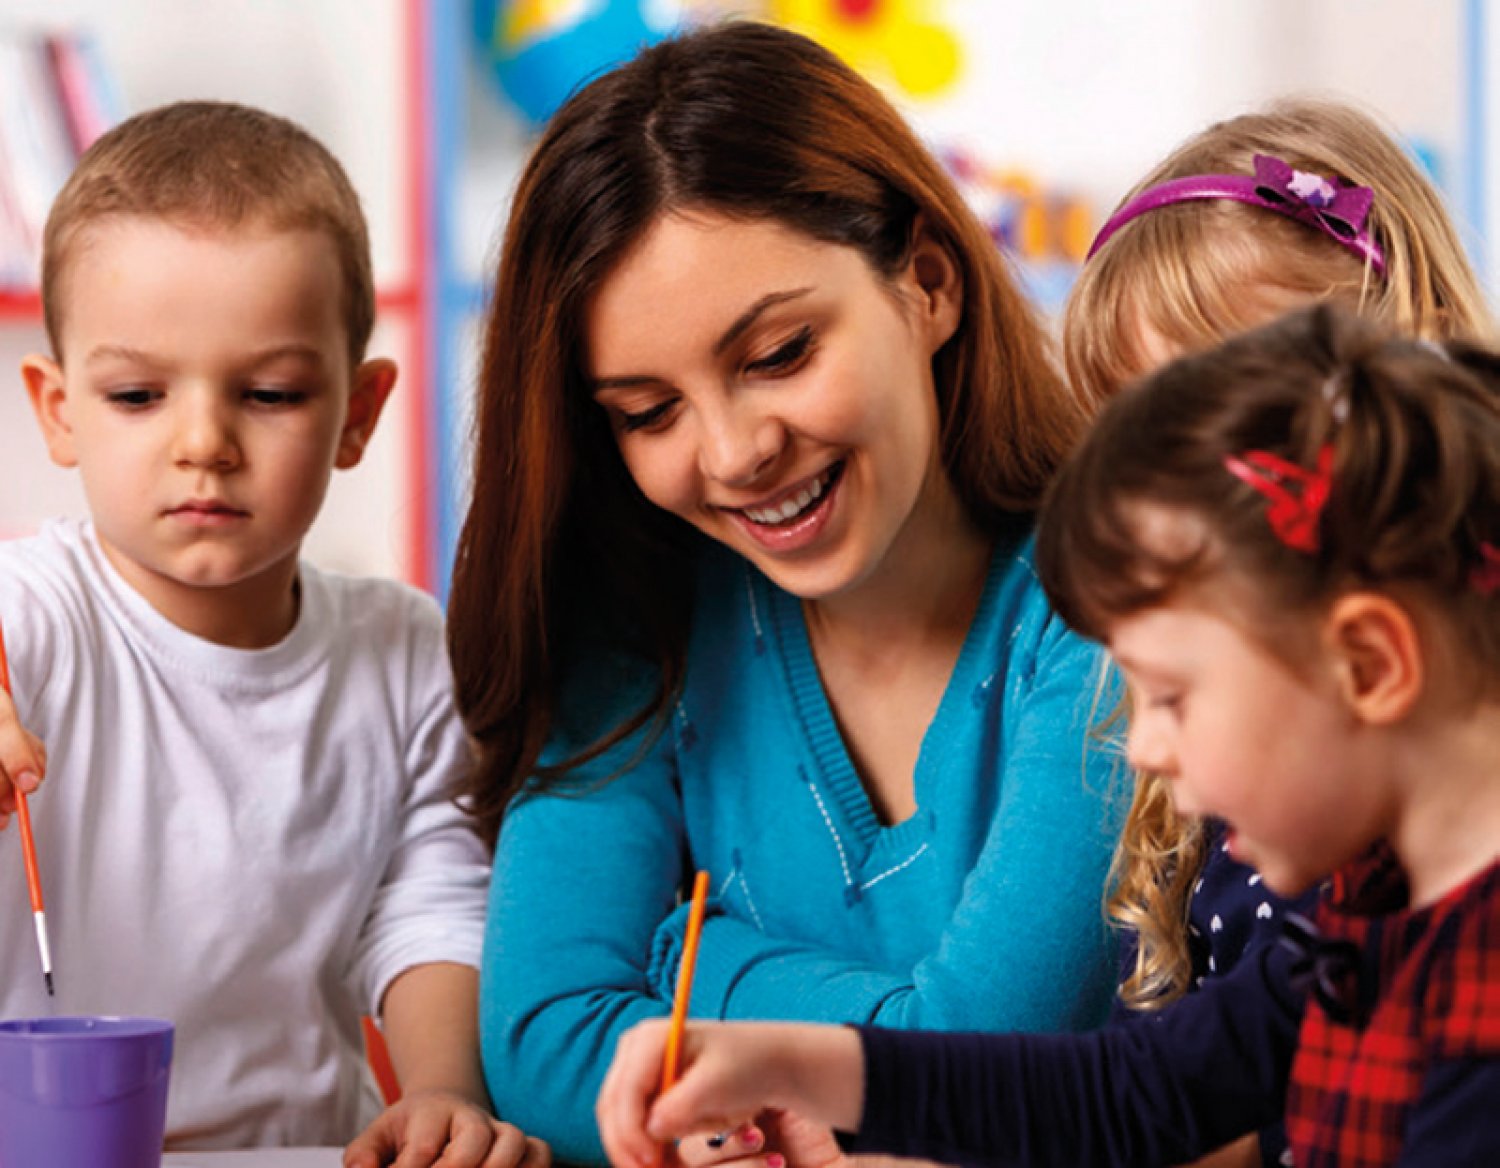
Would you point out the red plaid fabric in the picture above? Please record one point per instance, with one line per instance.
(1431, 993)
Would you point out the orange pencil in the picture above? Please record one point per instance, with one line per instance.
(684, 991)
(379, 1057)
(28, 851)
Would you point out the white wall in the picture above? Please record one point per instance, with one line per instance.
(1089, 93)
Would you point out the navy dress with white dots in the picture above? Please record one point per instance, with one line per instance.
(1232, 913)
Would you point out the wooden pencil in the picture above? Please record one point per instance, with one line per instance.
(684, 991)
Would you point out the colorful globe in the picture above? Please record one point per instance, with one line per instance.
(541, 51)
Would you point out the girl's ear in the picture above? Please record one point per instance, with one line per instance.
(1377, 653)
(49, 401)
(373, 382)
(937, 281)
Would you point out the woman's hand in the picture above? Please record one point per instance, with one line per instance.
(439, 1127)
(730, 1074)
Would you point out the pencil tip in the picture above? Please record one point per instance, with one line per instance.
(50, 992)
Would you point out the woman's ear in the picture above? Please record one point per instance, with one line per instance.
(1377, 653)
(48, 392)
(937, 281)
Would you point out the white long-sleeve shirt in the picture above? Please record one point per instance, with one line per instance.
(250, 843)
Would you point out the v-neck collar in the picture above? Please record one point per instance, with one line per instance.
(836, 773)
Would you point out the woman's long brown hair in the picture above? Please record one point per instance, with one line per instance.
(560, 557)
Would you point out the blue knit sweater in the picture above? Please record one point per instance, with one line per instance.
(982, 911)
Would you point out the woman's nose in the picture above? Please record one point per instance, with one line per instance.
(739, 444)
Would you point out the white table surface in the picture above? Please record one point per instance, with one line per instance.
(257, 1158)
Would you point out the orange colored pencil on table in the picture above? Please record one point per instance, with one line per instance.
(379, 1057)
(684, 992)
(28, 851)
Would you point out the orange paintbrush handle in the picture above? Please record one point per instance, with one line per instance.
(684, 992)
(28, 849)
(23, 813)
(379, 1057)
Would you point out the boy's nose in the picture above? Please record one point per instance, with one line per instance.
(738, 446)
(205, 437)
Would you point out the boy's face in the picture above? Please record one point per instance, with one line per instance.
(205, 393)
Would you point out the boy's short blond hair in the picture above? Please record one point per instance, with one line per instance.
(214, 164)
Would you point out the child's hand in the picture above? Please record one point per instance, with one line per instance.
(730, 1073)
(778, 1139)
(441, 1128)
(23, 759)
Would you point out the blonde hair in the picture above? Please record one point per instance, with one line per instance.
(1194, 273)
(217, 164)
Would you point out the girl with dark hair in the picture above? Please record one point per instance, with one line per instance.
(1291, 546)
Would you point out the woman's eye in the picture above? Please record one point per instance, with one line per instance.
(645, 419)
(1169, 702)
(786, 357)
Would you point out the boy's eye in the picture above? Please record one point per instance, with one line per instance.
(132, 398)
(274, 396)
(645, 419)
(785, 358)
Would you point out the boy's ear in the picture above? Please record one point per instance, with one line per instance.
(936, 279)
(1378, 656)
(372, 385)
(49, 401)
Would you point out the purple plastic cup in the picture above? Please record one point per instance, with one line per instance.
(78, 1092)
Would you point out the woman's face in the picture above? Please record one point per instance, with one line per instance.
(776, 393)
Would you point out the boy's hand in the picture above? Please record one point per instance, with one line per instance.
(23, 759)
(438, 1129)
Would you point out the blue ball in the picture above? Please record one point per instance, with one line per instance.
(542, 51)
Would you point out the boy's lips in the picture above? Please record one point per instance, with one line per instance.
(205, 512)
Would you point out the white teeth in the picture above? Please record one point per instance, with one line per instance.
(794, 505)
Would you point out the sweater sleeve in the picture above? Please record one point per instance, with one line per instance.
(1029, 922)
(1153, 1091)
(580, 886)
(1453, 1119)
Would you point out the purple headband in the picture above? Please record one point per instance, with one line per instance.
(1332, 206)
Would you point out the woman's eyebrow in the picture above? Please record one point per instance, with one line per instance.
(748, 317)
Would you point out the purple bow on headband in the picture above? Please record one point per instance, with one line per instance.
(1330, 205)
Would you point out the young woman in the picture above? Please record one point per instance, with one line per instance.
(746, 586)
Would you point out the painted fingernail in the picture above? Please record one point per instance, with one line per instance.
(775, 1160)
(752, 1137)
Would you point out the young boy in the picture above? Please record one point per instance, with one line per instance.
(247, 825)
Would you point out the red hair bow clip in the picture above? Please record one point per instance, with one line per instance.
(1485, 577)
(1296, 494)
